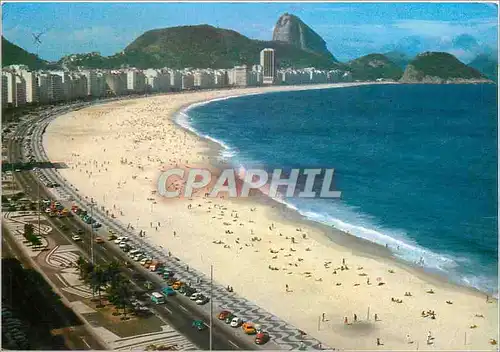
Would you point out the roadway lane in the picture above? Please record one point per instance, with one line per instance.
(176, 312)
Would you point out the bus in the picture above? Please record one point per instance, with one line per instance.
(157, 298)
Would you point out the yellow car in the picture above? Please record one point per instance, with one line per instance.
(111, 237)
(249, 329)
(177, 285)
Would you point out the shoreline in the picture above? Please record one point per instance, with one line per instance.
(353, 248)
(360, 245)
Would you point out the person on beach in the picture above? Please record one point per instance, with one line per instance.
(286, 288)
(323, 317)
(378, 342)
(346, 321)
(376, 317)
(355, 318)
(408, 339)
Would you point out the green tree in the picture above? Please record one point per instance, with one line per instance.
(112, 272)
(119, 293)
(28, 231)
(97, 281)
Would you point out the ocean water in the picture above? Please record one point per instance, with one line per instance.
(416, 164)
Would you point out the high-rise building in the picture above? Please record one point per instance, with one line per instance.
(267, 61)
(29, 77)
(20, 91)
(5, 92)
(117, 82)
(187, 80)
(56, 88)
(136, 81)
(93, 87)
(16, 89)
(66, 84)
(240, 76)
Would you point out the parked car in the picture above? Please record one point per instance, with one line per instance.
(195, 296)
(229, 318)
(249, 329)
(261, 338)
(202, 300)
(236, 322)
(99, 240)
(224, 314)
(76, 238)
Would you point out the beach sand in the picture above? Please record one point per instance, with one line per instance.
(114, 154)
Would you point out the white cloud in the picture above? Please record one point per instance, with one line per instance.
(444, 28)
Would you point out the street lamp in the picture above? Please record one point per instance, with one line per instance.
(211, 305)
(92, 230)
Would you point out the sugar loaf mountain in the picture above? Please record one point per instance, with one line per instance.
(296, 45)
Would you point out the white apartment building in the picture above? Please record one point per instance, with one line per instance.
(136, 81)
(268, 63)
(93, 87)
(157, 80)
(79, 87)
(240, 76)
(66, 84)
(187, 80)
(32, 95)
(43, 81)
(117, 82)
(16, 89)
(55, 88)
(221, 78)
(20, 91)
(175, 79)
(204, 79)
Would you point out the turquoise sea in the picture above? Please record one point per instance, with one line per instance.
(416, 164)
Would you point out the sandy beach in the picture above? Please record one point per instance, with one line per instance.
(115, 153)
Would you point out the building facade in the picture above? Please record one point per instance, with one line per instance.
(267, 61)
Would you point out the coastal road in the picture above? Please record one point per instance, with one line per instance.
(176, 312)
(283, 335)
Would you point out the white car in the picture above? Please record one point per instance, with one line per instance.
(236, 322)
(123, 244)
(120, 239)
(195, 296)
(76, 238)
(138, 257)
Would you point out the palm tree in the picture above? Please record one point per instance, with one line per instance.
(112, 272)
(81, 264)
(97, 280)
(120, 292)
(28, 231)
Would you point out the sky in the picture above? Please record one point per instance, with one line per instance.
(349, 29)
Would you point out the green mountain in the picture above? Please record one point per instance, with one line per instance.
(487, 65)
(12, 54)
(373, 66)
(199, 46)
(399, 58)
(439, 67)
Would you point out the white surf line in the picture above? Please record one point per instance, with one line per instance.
(232, 343)
(183, 308)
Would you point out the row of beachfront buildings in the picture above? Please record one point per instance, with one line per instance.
(21, 86)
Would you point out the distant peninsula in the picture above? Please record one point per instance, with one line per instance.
(440, 68)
